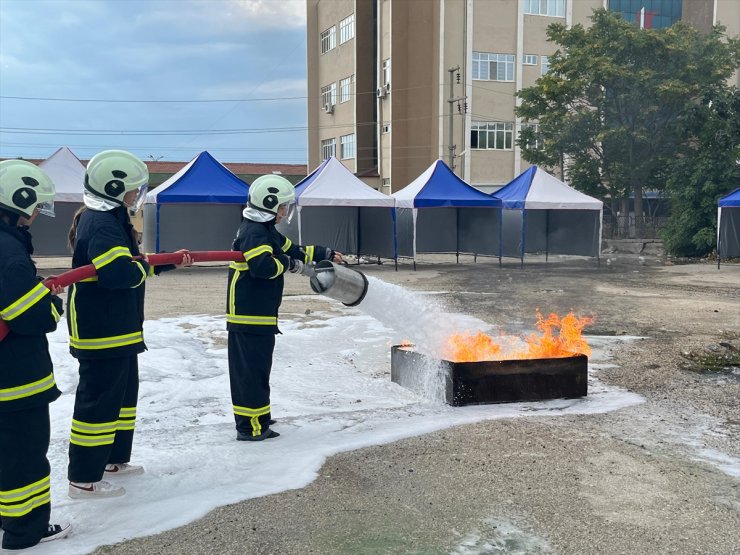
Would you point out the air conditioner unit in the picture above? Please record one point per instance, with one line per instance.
(381, 92)
(329, 108)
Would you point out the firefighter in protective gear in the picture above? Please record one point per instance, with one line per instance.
(254, 295)
(105, 317)
(27, 384)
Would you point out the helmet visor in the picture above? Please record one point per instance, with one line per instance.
(285, 212)
(46, 208)
(138, 202)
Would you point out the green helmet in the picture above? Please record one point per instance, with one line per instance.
(113, 173)
(269, 192)
(25, 187)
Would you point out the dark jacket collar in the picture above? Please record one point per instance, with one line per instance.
(20, 233)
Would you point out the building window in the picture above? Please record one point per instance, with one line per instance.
(491, 135)
(344, 89)
(530, 60)
(536, 143)
(493, 67)
(328, 148)
(650, 14)
(347, 146)
(545, 65)
(387, 72)
(328, 39)
(329, 94)
(347, 29)
(553, 8)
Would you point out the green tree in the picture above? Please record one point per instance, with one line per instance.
(706, 169)
(617, 103)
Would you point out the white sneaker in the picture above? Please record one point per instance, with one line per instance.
(102, 488)
(56, 532)
(119, 469)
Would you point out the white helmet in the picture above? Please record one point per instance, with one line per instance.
(25, 187)
(271, 193)
(110, 175)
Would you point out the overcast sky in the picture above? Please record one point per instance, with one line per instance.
(98, 51)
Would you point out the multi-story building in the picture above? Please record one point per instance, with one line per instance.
(395, 84)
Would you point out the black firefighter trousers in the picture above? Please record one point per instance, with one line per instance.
(250, 363)
(24, 476)
(104, 416)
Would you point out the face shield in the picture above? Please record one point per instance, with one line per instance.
(46, 208)
(285, 212)
(135, 205)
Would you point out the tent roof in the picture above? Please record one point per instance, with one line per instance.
(67, 173)
(537, 189)
(438, 186)
(731, 200)
(203, 180)
(332, 184)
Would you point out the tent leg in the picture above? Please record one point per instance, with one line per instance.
(475, 257)
(598, 261)
(457, 257)
(378, 261)
(500, 262)
(414, 264)
(396, 259)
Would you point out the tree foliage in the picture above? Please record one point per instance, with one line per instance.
(705, 170)
(619, 102)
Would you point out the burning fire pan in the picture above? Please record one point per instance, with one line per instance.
(493, 381)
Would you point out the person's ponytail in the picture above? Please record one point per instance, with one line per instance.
(72, 237)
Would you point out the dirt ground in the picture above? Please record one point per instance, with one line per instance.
(659, 477)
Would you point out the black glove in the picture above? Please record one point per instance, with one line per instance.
(58, 304)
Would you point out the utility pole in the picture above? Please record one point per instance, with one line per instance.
(451, 101)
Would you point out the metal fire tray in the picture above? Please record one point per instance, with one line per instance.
(494, 381)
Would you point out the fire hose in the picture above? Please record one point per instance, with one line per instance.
(83, 272)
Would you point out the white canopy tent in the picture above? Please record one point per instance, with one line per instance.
(68, 175)
(337, 210)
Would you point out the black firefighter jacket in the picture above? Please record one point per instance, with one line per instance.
(31, 311)
(105, 313)
(256, 285)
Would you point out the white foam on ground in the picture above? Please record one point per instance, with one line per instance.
(331, 392)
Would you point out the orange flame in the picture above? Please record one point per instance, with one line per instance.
(568, 341)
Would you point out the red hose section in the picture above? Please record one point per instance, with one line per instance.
(83, 272)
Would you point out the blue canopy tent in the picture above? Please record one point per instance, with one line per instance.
(728, 226)
(439, 213)
(199, 208)
(540, 213)
(335, 208)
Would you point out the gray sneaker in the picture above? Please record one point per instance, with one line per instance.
(119, 469)
(78, 490)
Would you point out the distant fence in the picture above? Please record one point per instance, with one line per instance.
(630, 227)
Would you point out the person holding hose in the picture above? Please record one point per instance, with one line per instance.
(27, 384)
(105, 320)
(254, 295)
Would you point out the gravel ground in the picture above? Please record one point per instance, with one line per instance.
(660, 477)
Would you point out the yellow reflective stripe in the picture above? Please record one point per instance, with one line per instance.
(280, 268)
(18, 494)
(251, 253)
(25, 302)
(25, 508)
(107, 342)
(252, 320)
(93, 278)
(232, 293)
(309, 254)
(72, 313)
(151, 271)
(288, 243)
(127, 412)
(246, 411)
(241, 266)
(126, 425)
(109, 256)
(256, 426)
(91, 441)
(95, 428)
(143, 273)
(55, 313)
(22, 391)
